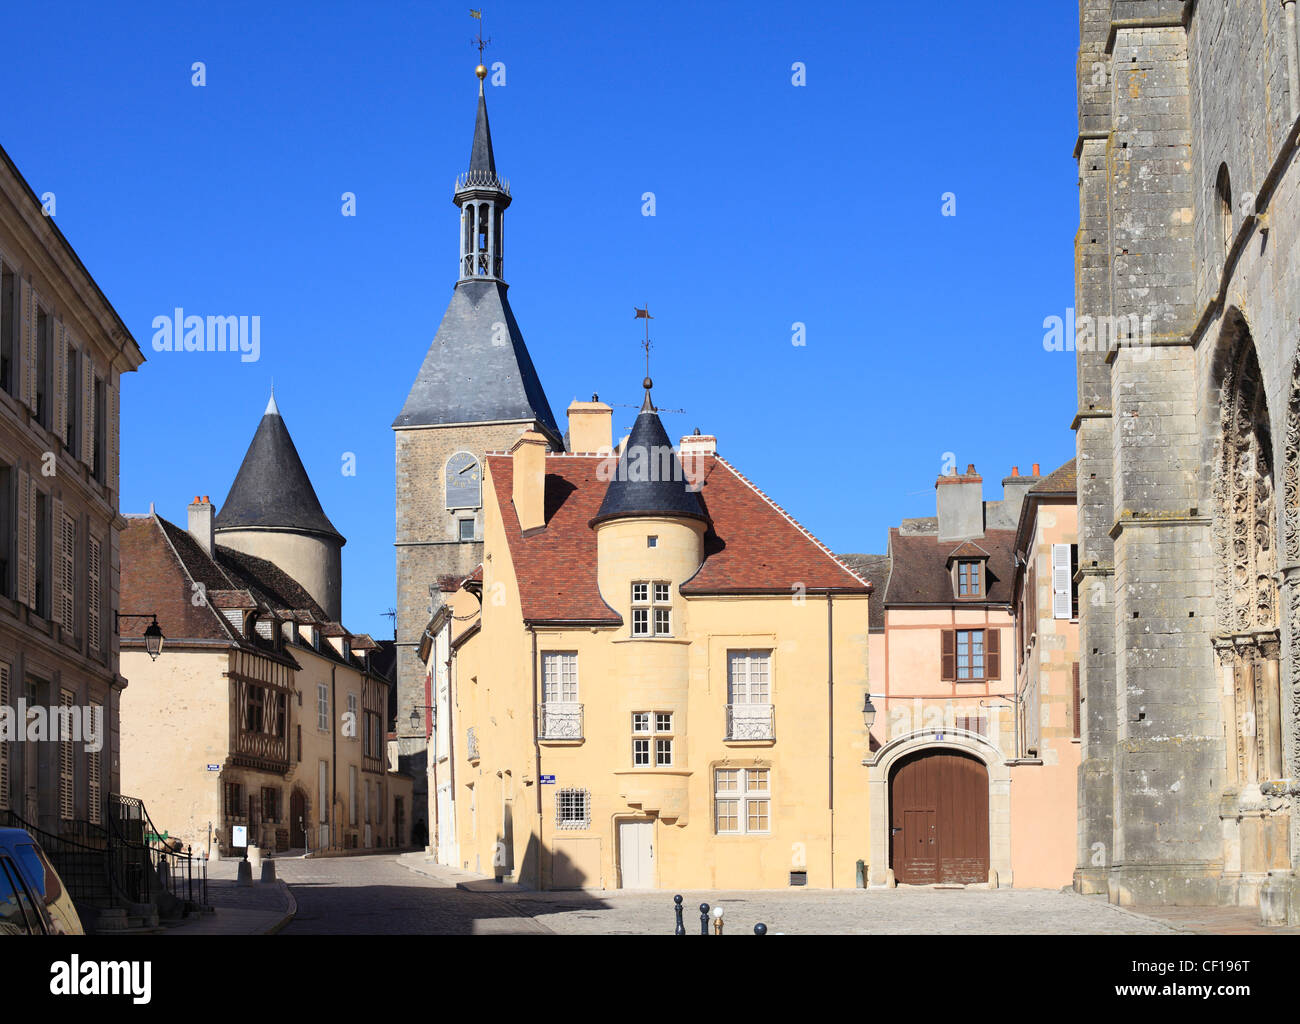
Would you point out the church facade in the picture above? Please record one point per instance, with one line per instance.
(1188, 442)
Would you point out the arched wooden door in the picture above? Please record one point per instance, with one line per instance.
(297, 819)
(939, 819)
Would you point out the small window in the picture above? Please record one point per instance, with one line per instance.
(652, 541)
(573, 808)
(969, 579)
(652, 613)
(1223, 192)
(466, 529)
(652, 739)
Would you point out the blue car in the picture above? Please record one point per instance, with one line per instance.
(33, 900)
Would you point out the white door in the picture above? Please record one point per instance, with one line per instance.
(636, 854)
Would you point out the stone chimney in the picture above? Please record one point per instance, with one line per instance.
(528, 491)
(1015, 487)
(202, 513)
(591, 426)
(698, 444)
(959, 499)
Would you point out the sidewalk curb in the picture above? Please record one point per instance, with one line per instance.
(291, 908)
(515, 911)
(1181, 929)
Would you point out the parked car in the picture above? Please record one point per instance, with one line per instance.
(33, 899)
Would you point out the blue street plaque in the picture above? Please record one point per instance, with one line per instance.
(214, 767)
(548, 780)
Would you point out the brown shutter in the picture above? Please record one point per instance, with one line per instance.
(93, 598)
(94, 777)
(87, 410)
(948, 654)
(68, 572)
(1078, 704)
(57, 541)
(993, 654)
(33, 351)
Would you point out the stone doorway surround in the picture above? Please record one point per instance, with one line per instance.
(879, 766)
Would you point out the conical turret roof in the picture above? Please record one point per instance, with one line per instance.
(649, 480)
(272, 490)
(480, 157)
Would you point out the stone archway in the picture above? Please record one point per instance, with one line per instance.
(1246, 639)
(880, 769)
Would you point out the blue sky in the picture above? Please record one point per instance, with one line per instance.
(775, 205)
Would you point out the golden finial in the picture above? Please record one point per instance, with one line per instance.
(481, 71)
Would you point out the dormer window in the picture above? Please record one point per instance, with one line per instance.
(970, 578)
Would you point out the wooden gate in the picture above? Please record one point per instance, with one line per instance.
(298, 819)
(939, 819)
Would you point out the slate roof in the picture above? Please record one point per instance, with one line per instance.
(481, 157)
(920, 573)
(161, 563)
(875, 570)
(649, 479)
(272, 489)
(751, 546)
(468, 377)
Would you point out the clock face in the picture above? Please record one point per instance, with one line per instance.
(464, 481)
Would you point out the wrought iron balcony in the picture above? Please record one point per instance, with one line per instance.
(559, 720)
(471, 743)
(751, 722)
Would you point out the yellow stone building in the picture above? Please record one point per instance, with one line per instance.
(655, 679)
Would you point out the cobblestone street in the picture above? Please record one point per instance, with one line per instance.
(377, 894)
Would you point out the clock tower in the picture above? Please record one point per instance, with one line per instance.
(476, 391)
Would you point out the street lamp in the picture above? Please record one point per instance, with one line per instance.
(153, 635)
(416, 710)
(868, 711)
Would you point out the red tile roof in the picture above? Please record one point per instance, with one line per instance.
(752, 545)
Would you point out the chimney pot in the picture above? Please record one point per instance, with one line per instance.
(1035, 469)
(970, 469)
(1015, 470)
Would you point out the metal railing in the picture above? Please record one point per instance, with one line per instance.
(559, 720)
(85, 863)
(154, 863)
(751, 722)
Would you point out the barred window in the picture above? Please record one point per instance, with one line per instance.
(573, 808)
(270, 803)
(742, 801)
(234, 800)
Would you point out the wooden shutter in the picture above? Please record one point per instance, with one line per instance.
(88, 411)
(57, 541)
(993, 654)
(4, 747)
(25, 581)
(60, 381)
(67, 574)
(66, 777)
(93, 594)
(94, 774)
(948, 654)
(1078, 703)
(33, 352)
(26, 347)
(1061, 581)
(112, 441)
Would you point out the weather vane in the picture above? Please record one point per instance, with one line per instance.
(479, 41)
(644, 314)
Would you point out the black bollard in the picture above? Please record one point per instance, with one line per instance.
(681, 928)
(704, 919)
(760, 928)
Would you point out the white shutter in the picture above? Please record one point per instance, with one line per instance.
(1061, 582)
(25, 581)
(4, 747)
(66, 777)
(61, 381)
(88, 411)
(93, 598)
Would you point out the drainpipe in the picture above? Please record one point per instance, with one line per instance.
(1292, 43)
(334, 758)
(537, 757)
(830, 723)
